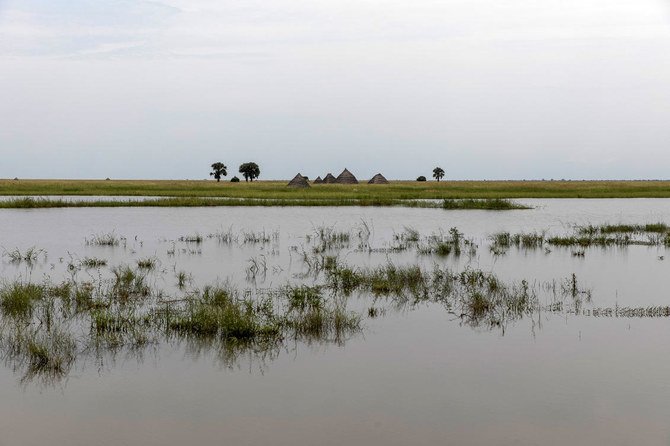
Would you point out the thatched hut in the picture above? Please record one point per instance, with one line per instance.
(298, 181)
(378, 179)
(317, 180)
(329, 179)
(346, 177)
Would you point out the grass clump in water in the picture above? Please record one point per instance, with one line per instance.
(312, 316)
(148, 263)
(218, 312)
(93, 262)
(496, 204)
(17, 299)
(29, 256)
(182, 279)
(192, 238)
(104, 239)
(591, 230)
(502, 241)
(260, 237)
(127, 284)
(327, 238)
(442, 245)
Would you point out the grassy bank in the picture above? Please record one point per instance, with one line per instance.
(397, 190)
(42, 203)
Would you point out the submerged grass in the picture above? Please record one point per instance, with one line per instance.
(38, 203)
(148, 263)
(495, 204)
(29, 256)
(327, 238)
(591, 230)
(46, 354)
(93, 262)
(45, 327)
(17, 298)
(128, 284)
(312, 315)
(608, 235)
(104, 239)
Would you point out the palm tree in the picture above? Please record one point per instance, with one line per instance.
(218, 170)
(250, 171)
(438, 173)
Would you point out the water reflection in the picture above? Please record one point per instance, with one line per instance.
(525, 364)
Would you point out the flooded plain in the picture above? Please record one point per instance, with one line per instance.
(376, 326)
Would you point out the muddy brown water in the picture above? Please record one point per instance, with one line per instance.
(416, 376)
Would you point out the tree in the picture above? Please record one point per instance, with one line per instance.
(234, 180)
(438, 173)
(421, 178)
(250, 171)
(218, 170)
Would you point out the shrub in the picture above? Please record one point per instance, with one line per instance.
(421, 178)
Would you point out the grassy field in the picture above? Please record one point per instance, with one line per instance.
(397, 190)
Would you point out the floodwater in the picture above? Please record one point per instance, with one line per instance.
(414, 375)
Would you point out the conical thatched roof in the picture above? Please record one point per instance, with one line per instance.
(317, 180)
(329, 179)
(298, 181)
(346, 177)
(378, 179)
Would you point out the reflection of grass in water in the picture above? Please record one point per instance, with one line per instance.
(147, 263)
(29, 256)
(476, 297)
(619, 235)
(218, 312)
(444, 245)
(485, 204)
(47, 354)
(312, 315)
(623, 227)
(105, 239)
(93, 262)
(522, 240)
(124, 313)
(262, 237)
(182, 279)
(192, 238)
(326, 238)
(494, 204)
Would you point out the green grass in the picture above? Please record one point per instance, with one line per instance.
(218, 312)
(41, 203)
(493, 204)
(128, 284)
(659, 228)
(108, 239)
(17, 299)
(148, 263)
(396, 190)
(29, 256)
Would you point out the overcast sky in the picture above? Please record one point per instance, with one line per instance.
(487, 89)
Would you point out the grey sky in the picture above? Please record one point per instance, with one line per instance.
(484, 88)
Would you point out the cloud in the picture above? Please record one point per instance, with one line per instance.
(525, 88)
(77, 27)
(210, 28)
